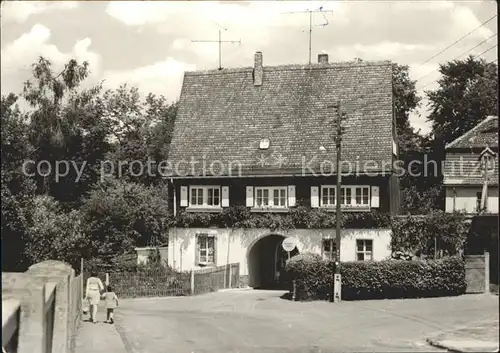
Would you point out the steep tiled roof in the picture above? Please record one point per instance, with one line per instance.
(223, 117)
(484, 134)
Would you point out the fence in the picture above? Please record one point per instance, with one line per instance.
(212, 279)
(40, 308)
(165, 282)
(477, 276)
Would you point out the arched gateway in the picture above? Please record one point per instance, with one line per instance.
(266, 262)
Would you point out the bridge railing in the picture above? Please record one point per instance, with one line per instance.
(40, 309)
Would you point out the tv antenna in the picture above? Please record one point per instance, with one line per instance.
(310, 12)
(220, 41)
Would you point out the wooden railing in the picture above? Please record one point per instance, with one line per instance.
(40, 309)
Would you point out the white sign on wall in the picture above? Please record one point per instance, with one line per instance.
(289, 244)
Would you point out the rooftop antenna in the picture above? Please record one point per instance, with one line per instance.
(220, 41)
(310, 12)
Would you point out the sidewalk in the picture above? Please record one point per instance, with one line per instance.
(99, 337)
(477, 337)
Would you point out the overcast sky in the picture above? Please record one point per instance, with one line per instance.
(148, 44)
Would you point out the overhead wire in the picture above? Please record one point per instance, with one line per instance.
(458, 40)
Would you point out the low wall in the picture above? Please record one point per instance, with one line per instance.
(41, 308)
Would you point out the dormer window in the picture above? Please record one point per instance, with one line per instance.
(264, 144)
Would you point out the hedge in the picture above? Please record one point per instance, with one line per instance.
(388, 279)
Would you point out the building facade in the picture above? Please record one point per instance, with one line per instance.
(263, 139)
(471, 170)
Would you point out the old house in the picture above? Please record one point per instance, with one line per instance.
(471, 170)
(263, 138)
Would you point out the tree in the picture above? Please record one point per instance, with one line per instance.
(142, 131)
(406, 99)
(467, 94)
(66, 124)
(54, 234)
(121, 215)
(420, 193)
(17, 188)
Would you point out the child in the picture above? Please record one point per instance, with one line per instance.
(111, 303)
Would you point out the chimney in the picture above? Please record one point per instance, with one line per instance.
(258, 71)
(323, 58)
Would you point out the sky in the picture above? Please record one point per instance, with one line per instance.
(149, 44)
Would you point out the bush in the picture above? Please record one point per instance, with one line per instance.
(420, 234)
(388, 279)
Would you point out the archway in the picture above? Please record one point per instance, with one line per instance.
(266, 262)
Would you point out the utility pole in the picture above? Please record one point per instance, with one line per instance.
(310, 12)
(220, 41)
(337, 280)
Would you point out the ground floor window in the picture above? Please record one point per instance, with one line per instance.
(205, 249)
(364, 249)
(329, 249)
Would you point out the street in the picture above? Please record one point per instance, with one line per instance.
(260, 321)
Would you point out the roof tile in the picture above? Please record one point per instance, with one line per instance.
(222, 117)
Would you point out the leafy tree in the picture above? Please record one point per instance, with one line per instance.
(66, 124)
(142, 130)
(121, 215)
(467, 94)
(17, 188)
(406, 100)
(54, 233)
(419, 193)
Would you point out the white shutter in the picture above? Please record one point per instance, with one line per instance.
(184, 196)
(314, 197)
(291, 195)
(225, 196)
(375, 202)
(249, 196)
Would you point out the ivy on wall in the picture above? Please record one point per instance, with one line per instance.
(300, 217)
(435, 233)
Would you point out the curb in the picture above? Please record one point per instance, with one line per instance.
(440, 345)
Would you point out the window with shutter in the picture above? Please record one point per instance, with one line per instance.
(204, 196)
(271, 197)
(351, 196)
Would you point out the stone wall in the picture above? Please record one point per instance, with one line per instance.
(41, 308)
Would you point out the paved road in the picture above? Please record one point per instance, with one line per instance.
(260, 321)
